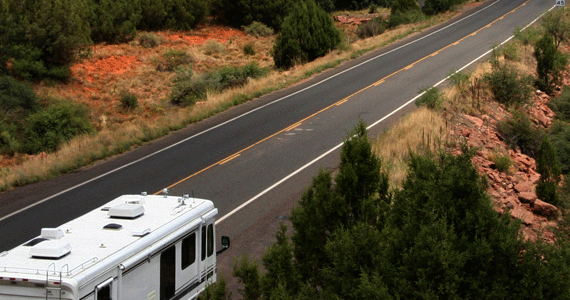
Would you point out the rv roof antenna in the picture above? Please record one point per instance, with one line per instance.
(193, 199)
(165, 192)
(182, 200)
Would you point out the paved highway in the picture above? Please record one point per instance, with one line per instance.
(264, 152)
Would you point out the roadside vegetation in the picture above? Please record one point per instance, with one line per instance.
(177, 86)
(419, 224)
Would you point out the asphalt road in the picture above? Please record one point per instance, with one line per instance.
(264, 152)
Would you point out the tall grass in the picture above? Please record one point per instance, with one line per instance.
(422, 130)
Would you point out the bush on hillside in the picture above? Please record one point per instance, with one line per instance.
(114, 21)
(561, 105)
(40, 39)
(258, 29)
(560, 135)
(518, 131)
(372, 28)
(508, 85)
(434, 7)
(17, 102)
(238, 13)
(172, 14)
(549, 170)
(48, 129)
(307, 33)
(187, 91)
(549, 63)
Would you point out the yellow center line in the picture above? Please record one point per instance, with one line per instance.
(228, 159)
(223, 161)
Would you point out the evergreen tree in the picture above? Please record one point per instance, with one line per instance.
(307, 33)
(549, 170)
(550, 63)
(238, 13)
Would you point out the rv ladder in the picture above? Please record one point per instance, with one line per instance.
(57, 288)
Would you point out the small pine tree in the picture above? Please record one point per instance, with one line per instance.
(247, 272)
(307, 33)
(550, 63)
(549, 170)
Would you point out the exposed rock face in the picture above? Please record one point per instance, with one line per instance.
(512, 190)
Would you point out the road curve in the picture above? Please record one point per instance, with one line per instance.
(237, 155)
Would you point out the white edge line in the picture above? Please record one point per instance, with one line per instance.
(235, 210)
(238, 117)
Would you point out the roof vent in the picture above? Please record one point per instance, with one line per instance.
(126, 211)
(114, 226)
(52, 233)
(35, 242)
(140, 232)
(53, 249)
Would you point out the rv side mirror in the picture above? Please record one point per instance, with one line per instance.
(225, 244)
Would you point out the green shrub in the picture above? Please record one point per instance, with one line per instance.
(187, 91)
(508, 85)
(528, 36)
(459, 79)
(560, 135)
(502, 162)
(431, 98)
(114, 21)
(549, 64)
(172, 14)
(518, 131)
(173, 59)
(258, 29)
(17, 102)
(549, 170)
(129, 101)
(47, 130)
(561, 105)
(404, 12)
(434, 7)
(307, 33)
(42, 38)
(213, 47)
(556, 25)
(373, 9)
(238, 13)
(148, 40)
(399, 18)
(372, 28)
(248, 49)
(509, 51)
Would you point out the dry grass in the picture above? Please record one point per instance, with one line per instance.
(419, 131)
(120, 130)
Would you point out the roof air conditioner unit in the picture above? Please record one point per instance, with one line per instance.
(51, 249)
(52, 233)
(126, 211)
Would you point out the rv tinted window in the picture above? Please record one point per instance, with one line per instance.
(210, 240)
(203, 242)
(188, 250)
(104, 292)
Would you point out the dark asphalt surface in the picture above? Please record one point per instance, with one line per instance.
(230, 184)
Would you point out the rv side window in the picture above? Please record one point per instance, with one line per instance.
(188, 250)
(203, 242)
(210, 240)
(104, 290)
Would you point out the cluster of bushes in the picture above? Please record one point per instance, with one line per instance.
(188, 90)
(437, 237)
(27, 127)
(40, 39)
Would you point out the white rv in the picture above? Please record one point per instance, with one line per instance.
(134, 247)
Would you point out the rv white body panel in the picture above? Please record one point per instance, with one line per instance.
(168, 251)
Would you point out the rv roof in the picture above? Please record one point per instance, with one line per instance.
(92, 244)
